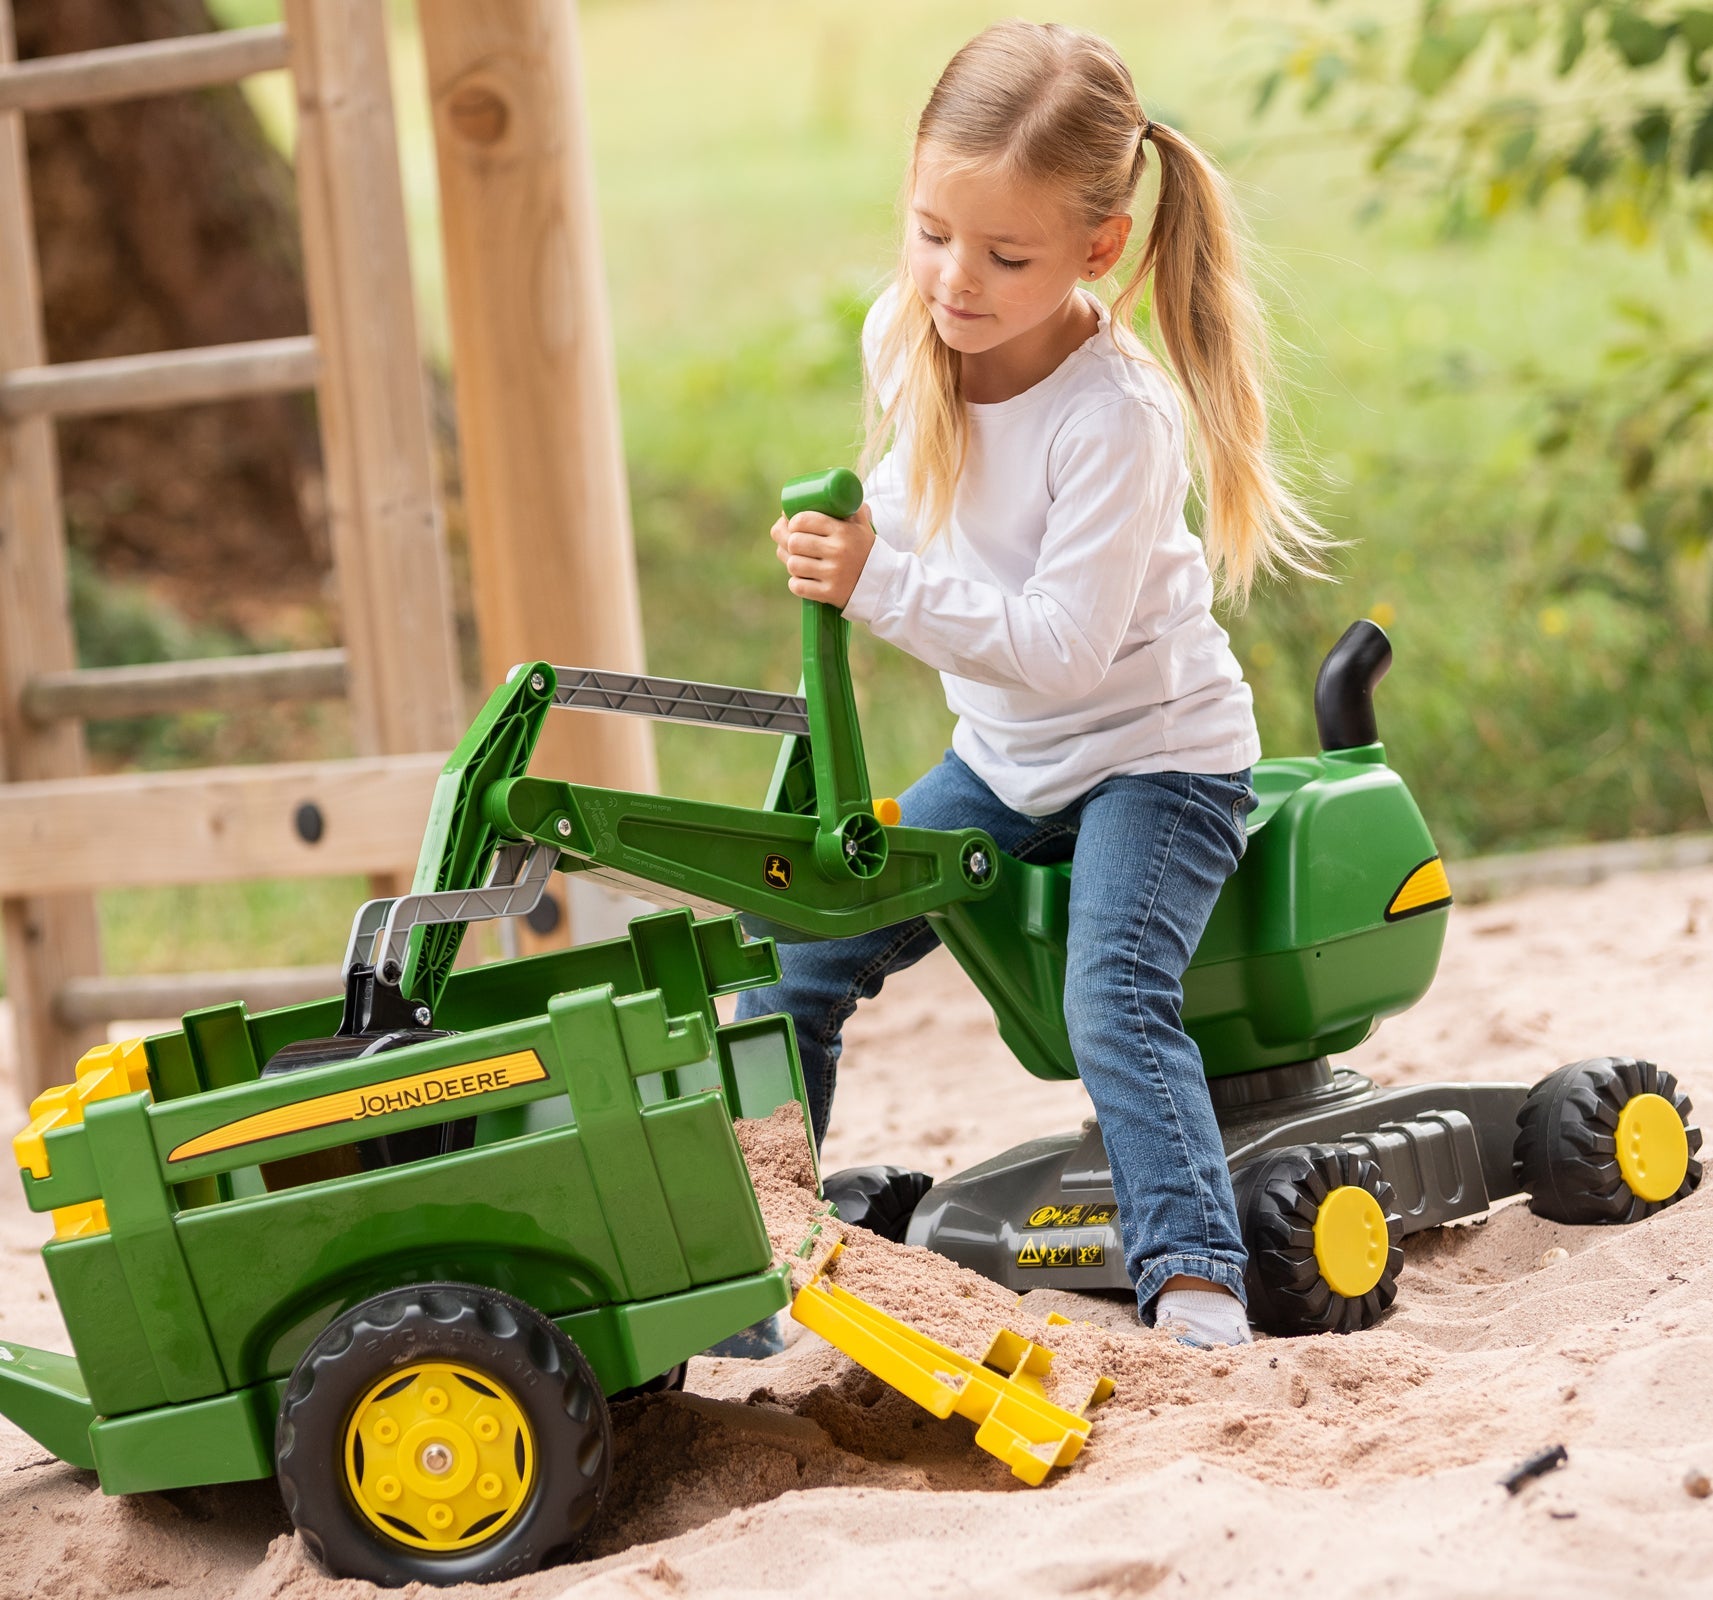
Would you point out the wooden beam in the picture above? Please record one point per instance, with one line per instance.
(394, 584)
(48, 939)
(552, 564)
(214, 824)
(163, 378)
(87, 1001)
(131, 71)
(226, 683)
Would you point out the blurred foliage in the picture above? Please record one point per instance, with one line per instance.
(1491, 109)
(1502, 105)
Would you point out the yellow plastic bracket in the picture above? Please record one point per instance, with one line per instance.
(105, 1071)
(1014, 1419)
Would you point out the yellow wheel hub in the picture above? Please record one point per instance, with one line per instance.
(1653, 1147)
(1350, 1241)
(439, 1457)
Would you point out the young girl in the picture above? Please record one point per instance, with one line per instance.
(1025, 534)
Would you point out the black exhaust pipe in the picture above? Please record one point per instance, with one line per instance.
(1344, 688)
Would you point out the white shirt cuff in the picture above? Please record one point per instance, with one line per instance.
(874, 581)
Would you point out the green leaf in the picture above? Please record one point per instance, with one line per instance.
(1324, 76)
(1696, 28)
(1444, 45)
(1575, 39)
(1269, 88)
(1641, 313)
(1591, 163)
(1652, 134)
(1522, 27)
(1698, 157)
(1392, 143)
(1640, 41)
(1517, 148)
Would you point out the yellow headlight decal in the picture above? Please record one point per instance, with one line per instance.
(1426, 889)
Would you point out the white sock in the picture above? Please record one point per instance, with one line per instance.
(1203, 1317)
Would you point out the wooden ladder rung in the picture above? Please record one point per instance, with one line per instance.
(131, 71)
(159, 689)
(163, 378)
(91, 1001)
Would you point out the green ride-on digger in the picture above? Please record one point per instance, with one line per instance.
(400, 1247)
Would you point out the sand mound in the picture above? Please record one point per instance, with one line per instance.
(1289, 1467)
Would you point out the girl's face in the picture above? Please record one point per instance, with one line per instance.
(995, 258)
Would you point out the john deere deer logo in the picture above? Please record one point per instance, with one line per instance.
(777, 872)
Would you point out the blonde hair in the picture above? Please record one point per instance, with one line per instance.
(1056, 106)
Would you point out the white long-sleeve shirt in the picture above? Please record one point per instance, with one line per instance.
(1068, 607)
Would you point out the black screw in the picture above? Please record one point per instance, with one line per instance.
(309, 822)
(544, 916)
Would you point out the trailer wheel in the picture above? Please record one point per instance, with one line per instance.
(1607, 1140)
(444, 1433)
(881, 1199)
(1323, 1239)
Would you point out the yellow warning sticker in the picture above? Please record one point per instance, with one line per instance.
(1083, 1216)
(1062, 1250)
(443, 1085)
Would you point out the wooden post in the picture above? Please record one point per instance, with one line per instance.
(551, 555)
(48, 939)
(394, 587)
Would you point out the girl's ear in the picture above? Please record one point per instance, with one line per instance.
(1107, 245)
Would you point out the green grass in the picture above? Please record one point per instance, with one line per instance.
(748, 155)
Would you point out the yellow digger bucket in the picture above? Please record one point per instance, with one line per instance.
(1003, 1394)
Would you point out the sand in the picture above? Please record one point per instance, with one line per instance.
(1293, 1466)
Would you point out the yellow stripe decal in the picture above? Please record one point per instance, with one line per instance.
(1426, 889)
(443, 1084)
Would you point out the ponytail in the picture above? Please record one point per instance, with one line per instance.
(1210, 321)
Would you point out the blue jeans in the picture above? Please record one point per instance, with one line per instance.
(1149, 855)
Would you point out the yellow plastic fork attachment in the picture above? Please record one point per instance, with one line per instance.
(1004, 1395)
(107, 1070)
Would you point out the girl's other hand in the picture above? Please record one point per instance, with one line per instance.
(824, 556)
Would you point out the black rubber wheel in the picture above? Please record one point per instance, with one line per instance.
(450, 1379)
(1567, 1156)
(1280, 1204)
(881, 1199)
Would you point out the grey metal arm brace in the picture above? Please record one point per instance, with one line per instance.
(515, 886)
(678, 700)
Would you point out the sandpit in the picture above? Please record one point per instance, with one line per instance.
(1289, 1467)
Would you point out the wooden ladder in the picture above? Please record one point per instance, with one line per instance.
(64, 835)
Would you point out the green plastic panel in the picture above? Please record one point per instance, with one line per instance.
(629, 1344)
(43, 1393)
(1297, 960)
(522, 1216)
(106, 1331)
(227, 1439)
(459, 843)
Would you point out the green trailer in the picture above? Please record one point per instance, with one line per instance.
(236, 1250)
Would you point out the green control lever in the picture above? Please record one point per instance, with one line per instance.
(849, 841)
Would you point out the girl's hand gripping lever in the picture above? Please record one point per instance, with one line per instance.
(849, 842)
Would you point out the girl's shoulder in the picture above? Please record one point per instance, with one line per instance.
(1115, 366)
